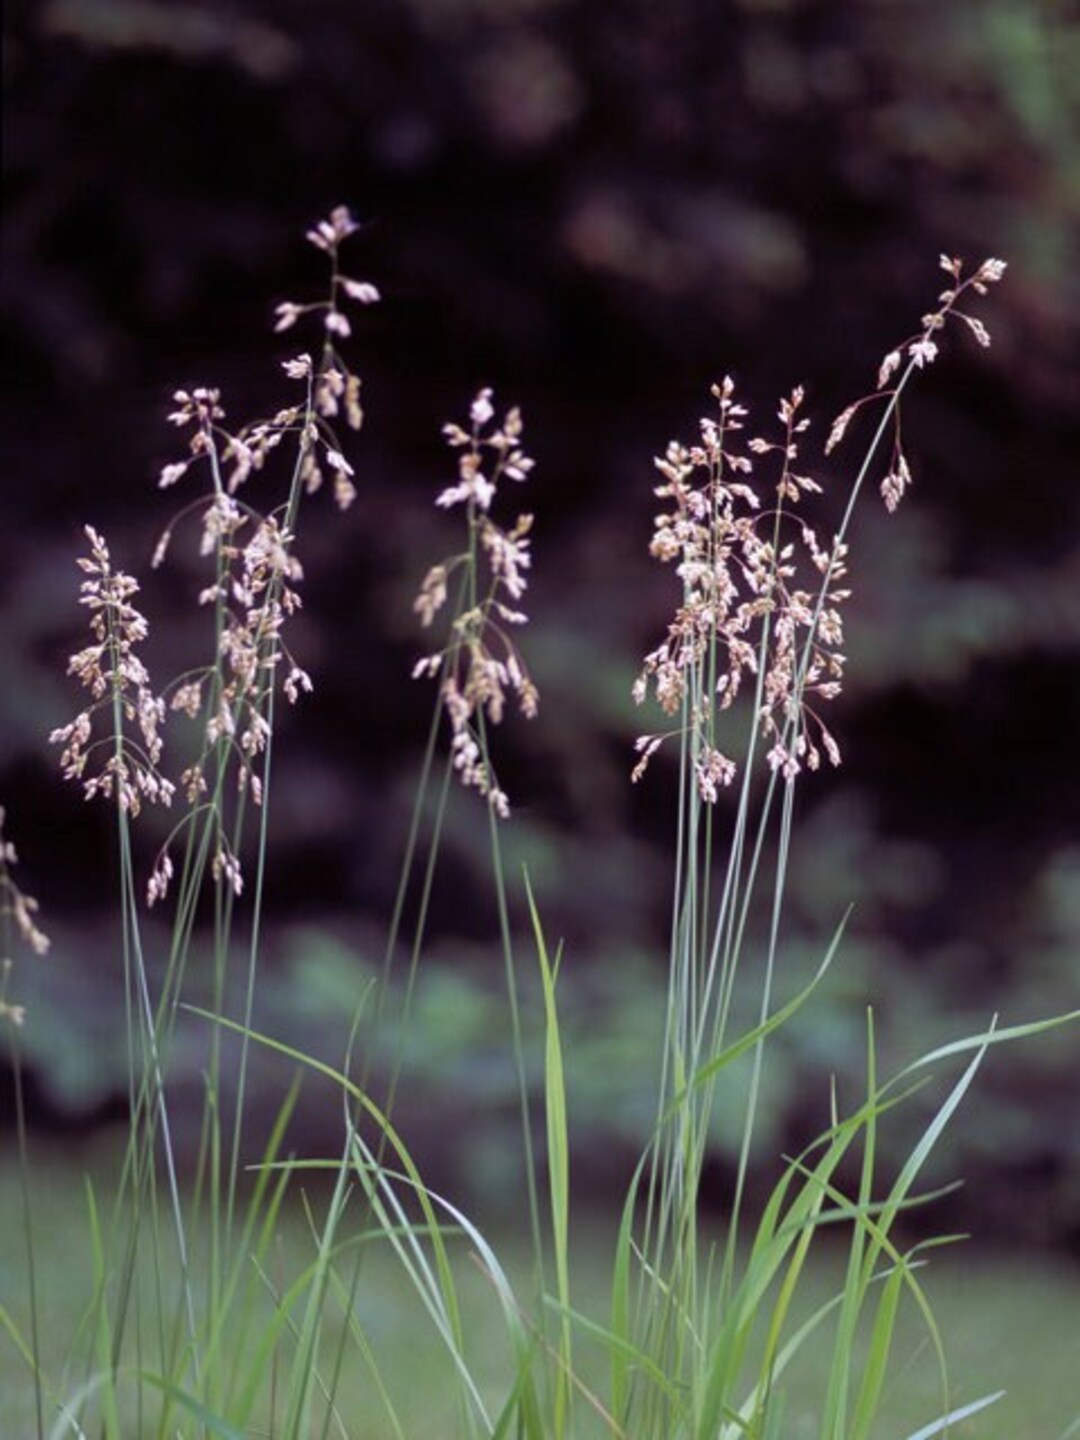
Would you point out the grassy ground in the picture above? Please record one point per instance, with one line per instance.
(1006, 1318)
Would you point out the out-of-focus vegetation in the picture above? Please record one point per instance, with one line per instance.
(989, 1303)
(598, 209)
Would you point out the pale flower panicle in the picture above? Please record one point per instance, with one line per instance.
(742, 612)
(480, 665)
(921, 350)
(360, 290)
(328, 234)
(113, 672)
(17, 904)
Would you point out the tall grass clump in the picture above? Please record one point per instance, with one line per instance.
(191, 1327)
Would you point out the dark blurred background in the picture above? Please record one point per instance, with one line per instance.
(599, 209)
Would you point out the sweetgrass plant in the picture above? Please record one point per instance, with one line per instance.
(174, 1338)
(191, 1329)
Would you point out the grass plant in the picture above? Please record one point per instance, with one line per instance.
(192, 1325)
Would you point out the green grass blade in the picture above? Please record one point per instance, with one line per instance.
(707, 1072)
(993, 1036)
(211, 1422)
(621, 1350)
(104, 1339)
(877, 1362)
(938, 1427)
(558, 1160)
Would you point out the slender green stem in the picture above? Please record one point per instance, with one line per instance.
(28, 1224)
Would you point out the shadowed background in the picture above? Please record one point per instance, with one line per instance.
(599, 210)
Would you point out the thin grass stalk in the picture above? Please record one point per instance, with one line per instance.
(765, 1005)
(23, 1146)
(356, 1333)
(102, 1339)
(419, 935)
(736, 901)
(834, 1395)
(232, 1317)
(432, 1283)
(297, 1410)
(135, 965)
(505, 937)
(222, 897)
(423, 905)
(656, 1202)
(405, 877)
(255, 937)
(738, 891)
(668, 1179)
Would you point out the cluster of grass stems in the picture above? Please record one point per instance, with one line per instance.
(190, 1328)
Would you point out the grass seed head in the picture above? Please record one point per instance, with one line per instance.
(481, 664)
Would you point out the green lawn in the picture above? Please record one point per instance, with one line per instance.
(1008, 1321)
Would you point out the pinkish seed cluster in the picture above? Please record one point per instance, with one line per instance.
(921, 350)
(481, 664)
(126, 758)
(253, 589)
(744, 612)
